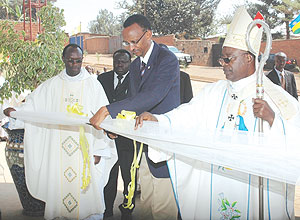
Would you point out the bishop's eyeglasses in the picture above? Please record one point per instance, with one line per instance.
(227, 60)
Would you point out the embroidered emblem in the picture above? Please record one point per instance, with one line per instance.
(234, 96)
(242, 108)
(227, 210)
(70, 146)
(70, 174)
(240, 124)
(283, 103)
(70, 202)
(71, 99)
(230, 117)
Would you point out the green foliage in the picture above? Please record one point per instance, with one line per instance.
(106, 23)
(13, 9)
(27, 64)
(276, 12)
(191, 17)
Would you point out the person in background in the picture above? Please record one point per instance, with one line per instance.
(89, 69)
(186, 91)
(154, 85)
(282, 77)
(116, 85)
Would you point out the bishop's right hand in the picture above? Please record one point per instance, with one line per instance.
(146, 116)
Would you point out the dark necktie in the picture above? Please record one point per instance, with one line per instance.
(120, 77)
(143, 67)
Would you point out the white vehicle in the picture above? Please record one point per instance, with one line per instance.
(183, 58)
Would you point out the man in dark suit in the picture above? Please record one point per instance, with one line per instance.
(154, 85)
(116, 84)
(186, 91)
(282, 77)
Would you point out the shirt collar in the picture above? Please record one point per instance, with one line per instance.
(145, 59)
(278, 72)
(124, 75)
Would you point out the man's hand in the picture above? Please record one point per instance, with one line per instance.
(97, 159)
(7, 111)
(146, 116)
(261, 109)
(100, 115)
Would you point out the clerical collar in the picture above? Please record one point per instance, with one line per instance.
(145, 59)
(84, 74)
(242, 83)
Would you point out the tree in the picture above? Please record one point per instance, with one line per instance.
(276, 13)
(27, 64)
(106, 23)
(191, 17)
(13, 9)
(289, 9)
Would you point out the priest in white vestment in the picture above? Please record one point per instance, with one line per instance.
(62, 164)
(206, 191)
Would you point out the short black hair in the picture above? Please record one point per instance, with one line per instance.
(139, 19)
(122, 51)
(73, 46)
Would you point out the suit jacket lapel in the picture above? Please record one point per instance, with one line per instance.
(123, 87)
(276, 77)
(134, 76)
(150, 64)
(110, 83)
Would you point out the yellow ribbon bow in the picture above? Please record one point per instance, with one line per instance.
(84, 145)
(129, 115)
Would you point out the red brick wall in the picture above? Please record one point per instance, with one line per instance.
(199, 49)
(20, 27)
(195, 48)
(290, 47)
(96, 45)
(167, 40)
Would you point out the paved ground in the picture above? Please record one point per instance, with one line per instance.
(9, 201)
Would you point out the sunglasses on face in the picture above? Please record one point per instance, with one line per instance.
(133, 43)
(73, 61)
(227, 60)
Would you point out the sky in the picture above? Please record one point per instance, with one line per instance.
(84, 11)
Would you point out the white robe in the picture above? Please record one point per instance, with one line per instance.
(205, 191)
(53, 158)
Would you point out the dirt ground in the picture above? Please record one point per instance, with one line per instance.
(200, 75)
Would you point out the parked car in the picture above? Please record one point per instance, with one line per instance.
(183, 58)
(290, 63)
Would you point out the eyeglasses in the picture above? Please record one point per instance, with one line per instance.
(133, 43)
(73, 61)
(227, 60)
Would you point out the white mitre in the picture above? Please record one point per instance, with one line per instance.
(236, 36)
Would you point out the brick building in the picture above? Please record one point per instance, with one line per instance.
(290, 47)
